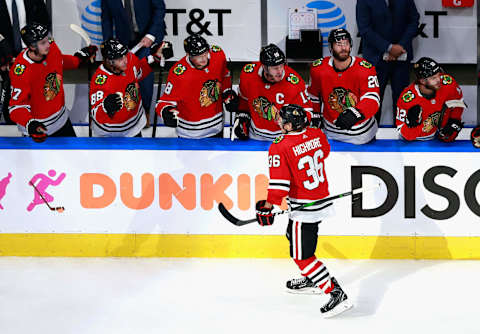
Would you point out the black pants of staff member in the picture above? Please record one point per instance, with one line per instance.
(5, 97)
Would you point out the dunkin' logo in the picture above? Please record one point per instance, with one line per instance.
(98, 191)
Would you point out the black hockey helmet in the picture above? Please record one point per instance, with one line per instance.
(272, 55)
(195, 45)
(426, 67)
(33, 33)
(294, 114)
(112, 49)
(337, 35)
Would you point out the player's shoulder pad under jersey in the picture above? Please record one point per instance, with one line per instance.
(408, 96)
(101, 79)
(446, 79)
(19, 69)
(179, 69)
(365, 64)
(293, 79)
(249, 68)
(317, 62)
(215, 48)
(278, 139)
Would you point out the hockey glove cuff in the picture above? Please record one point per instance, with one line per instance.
(37, 131)
(264, 215)
(414, 116)
(450, 131)
(349, 118)
(86, 54)
(112, 104)
(240, 126)
(169, 115)
(231, 100)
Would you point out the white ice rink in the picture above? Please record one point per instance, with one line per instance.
(157, 295)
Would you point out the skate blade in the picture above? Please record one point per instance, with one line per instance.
(306, 291)
(340, 308)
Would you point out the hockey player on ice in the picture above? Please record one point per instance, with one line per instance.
(297, 169)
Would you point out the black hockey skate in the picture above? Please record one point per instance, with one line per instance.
(338, 302)
(303, 285)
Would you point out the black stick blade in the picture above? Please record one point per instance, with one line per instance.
(228, 216)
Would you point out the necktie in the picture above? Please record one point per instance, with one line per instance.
(128, 9)
(17, 40)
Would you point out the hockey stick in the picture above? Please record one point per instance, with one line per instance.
(59, 209)
(238, 222)
(83, 34)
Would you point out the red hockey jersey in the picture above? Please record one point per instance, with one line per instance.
(357, 86)
(197, 95)
(431, 109)
(263, 100)
(297, 169)
(130, 119)
(37, 89)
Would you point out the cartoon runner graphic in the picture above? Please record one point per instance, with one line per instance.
(3, 187)
(41, 187)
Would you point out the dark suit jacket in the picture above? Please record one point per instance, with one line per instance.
(378, 28)
(36, 11)
(149, 14)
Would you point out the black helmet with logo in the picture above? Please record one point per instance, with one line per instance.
(272, 55)
(294, 114)
(112, 49)
(195, 45)
(33, 32)
(426, 67)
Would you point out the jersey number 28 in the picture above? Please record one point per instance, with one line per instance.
(314, 171)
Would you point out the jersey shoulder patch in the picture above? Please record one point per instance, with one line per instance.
(408, 96)
(365, 64)
(278, 139)
(100, 79)
(446, 79)
(293, 79)
(215, 48)
(317, 62)
(179, 69)
(19, 69)
(249, 68)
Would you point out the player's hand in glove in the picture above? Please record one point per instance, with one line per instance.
(450, 131)
(169, 115)
(230, 99)
(37, 130)
(163, 50)
(316, 121)
(112, 104)
(264, 214)
(349, 118)
(414, 116)
(86, 54)
(240, 126)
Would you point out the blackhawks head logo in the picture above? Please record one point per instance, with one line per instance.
(265, 108)
(52, 84)
(132, 97)
(431, 122)
(210, 92)
(340, 99)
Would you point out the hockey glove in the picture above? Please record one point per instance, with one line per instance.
(264, 215)
(240, 127)
(37, 131)
(475, 137)
(169, 115)
(162, 50)
(86, 54)
(316, 121)
(414, 116)
(450, 131)
(230, 99)
(112, 104)
(349, 118)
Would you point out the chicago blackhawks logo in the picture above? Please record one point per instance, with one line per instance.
(408, 96)
(265, 108)
(431, 122)
(210, 92)
(340, 99)
(317, 62)
(292, 78)
(101, 79)
(249, 68)
(446, 79)
(365, 64)
(52, 85)
(216, 48)
(179, 69)
(132, 97)
(19, 69)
